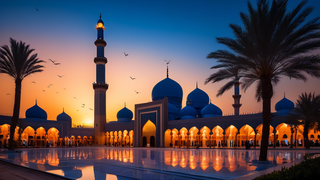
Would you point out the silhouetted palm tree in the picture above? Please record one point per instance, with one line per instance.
(18, 62)
(227, 73)
(272, 43)
(306, 112)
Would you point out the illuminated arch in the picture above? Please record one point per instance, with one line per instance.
(217, 136)
(183, 136)
(204, 136)
(193, 136)
(283, 134)
(246, 134)
(149, 132)
(131, 134)
(53, 136)
(167, 138)
(231, 136)
(41, 137)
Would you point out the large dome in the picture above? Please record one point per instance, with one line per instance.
(124, 115)
(36, 112)
(188, 112)
(211, 110)
(63, 117)
(170, 89)
(284, 104)
(197, 98)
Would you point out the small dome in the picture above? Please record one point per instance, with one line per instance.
(284, 104)
(63, 117)
(36, 112)
(173, 112)
(124, 115)
(170, 89)
(197, 98)
(188, 112)
(211, 110)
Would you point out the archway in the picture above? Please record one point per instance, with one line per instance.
(231, 136)
(167, 138)
(126, 138)
(284, 134)
(204, 136)
(53, 136)
(246, 134)
(41, 136)
(131, 134)
(183, 136)
(217, 136)
(259, 135)
(27, 136)
(5, 132)
(194, 136)
(148, 130)
(175, 137)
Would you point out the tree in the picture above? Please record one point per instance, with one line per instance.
(18, 62)
(272, 43)
(306, 112)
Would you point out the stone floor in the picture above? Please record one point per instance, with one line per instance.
(108, 163)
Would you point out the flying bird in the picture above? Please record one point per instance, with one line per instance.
(60, 76)
(132, 78)
(50, 85)
(43, 90)
(8, 94)
(54, 62)
(167, 61)
(125, 54)
(75, 97)
(83, 104)
(37, 9)
(91, 109)
(64, 89)
(137, 92)
(57, 92)
(33, 82)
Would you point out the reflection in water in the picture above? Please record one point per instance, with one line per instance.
(108, 163)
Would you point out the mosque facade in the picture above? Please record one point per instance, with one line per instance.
(164, 122)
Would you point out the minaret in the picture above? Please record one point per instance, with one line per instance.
(236, 98)
(100, 87)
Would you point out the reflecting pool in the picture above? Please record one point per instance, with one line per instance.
(110, 163)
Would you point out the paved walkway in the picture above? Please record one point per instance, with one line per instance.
(10, 171)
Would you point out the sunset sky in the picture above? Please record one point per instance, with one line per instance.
(182, 31)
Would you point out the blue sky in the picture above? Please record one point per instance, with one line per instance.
(149, 31)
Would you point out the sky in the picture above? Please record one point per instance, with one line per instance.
(183, 31)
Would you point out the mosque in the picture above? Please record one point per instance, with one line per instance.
(164, 122)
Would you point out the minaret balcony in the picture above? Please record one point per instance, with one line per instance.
(100, 42)
(100, 60)
(100, 86)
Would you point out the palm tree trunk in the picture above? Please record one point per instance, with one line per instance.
(16, 111)
(266, 117)
(305, 135)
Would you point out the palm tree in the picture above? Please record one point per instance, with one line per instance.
(306, 112)
(272, 43)
(18, 63)
(228, 73)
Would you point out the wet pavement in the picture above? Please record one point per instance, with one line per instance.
(106, 163)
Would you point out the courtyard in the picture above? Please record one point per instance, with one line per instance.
(109, 163)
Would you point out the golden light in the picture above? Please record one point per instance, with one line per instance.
(100, 25)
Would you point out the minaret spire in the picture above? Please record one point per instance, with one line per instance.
(167, 71)
(197, 84)
(100, 15)
(284, 94)
(36, 101)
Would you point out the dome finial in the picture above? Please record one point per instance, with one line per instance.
(100, 15)
(63, 109)
(196, 84)
(284, 94)
(125, 104)
(36, 101)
